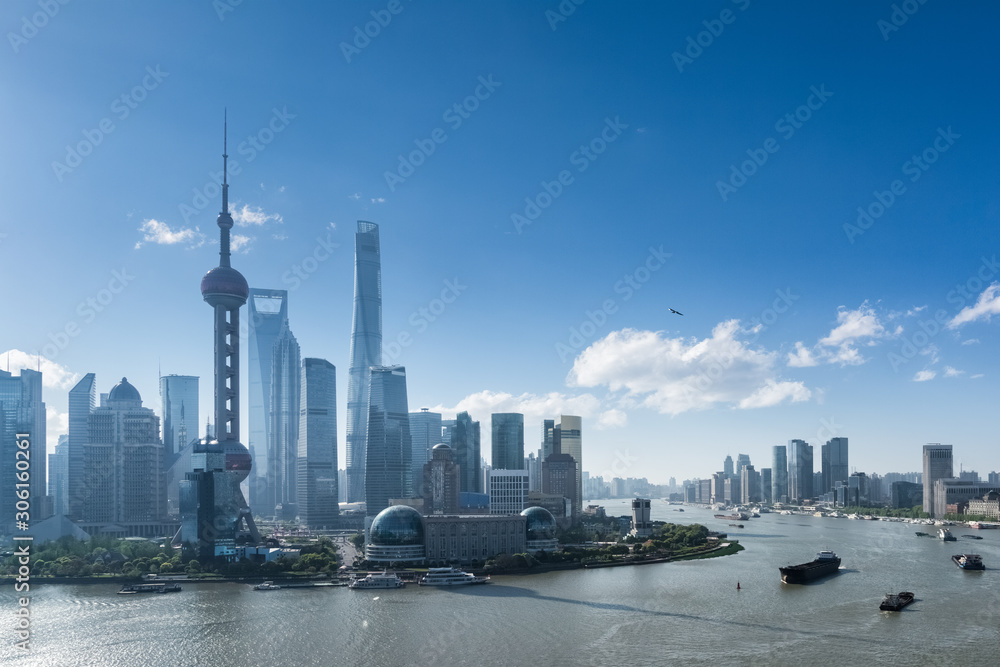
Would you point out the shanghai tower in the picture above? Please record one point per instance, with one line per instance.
(214, 514)
(366, 351)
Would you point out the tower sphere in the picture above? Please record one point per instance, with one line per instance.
(225, 285)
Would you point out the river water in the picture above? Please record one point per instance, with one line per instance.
(664, 614)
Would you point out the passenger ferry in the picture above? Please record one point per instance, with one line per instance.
(267, 586)
(450, 576)
(131, 589)
(378, 580)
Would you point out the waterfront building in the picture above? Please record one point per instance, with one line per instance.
(267, 315)
(179, 412)
(742, 461)
(718, 488)
(441, 482)
(540, 527)
(396, 535)
(988, 506)
(387, 464)
(954, 491)
(533, 465)
(834, 464)
(779, 474)
(508, 441)
(765, 486)
(508, 490)
(571, 442)
(82, 401)
(473, 538)
(123, 462)
(214, 513)
(727, 466)
(906, 495)
(749, 485)
(550, 438)
(286, 385)
(559, 478)
(937, 465)
(641, 524)
(22, 412)
(994, 478)
(425, 433)
(59, 477)
(800, 471)
(366, 351)
(316, 461)
(463, 435)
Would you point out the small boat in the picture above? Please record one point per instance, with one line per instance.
(450, 576)
(267, 586)
(946, 535)
(378, 580)
(896, 602)
(972, 537)
(736, 525)
(969, 561)
(131, 589)
(678, 510)
(919, 534)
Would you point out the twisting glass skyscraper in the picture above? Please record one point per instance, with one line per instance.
(387, 468)
(366, 351)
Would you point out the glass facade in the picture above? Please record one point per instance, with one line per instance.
(508, 441)
(465, 445)
(366, 351)
(571, 442)
(800, 470)
(179, 412)
(425, 432)
(317, 446)
(283, 442)
(779, 474)
(399, 525)
(387, 465)
(21, 411)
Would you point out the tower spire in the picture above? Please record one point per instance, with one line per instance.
(225, 161)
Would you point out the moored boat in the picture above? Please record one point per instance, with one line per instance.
(450, 576)
(267, 586)
(893, 602)
(946, 535)
(826, 562)
(739, 516)
(969, 561)
(378, 580)
(129, 589)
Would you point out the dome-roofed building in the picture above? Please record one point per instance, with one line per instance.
(396, 535)
(540, 527)
(124, 395)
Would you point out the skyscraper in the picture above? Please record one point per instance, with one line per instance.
(22, 412)
(387, 464)
(550, 435)
(727, 466)
(779, 474)
(268, 317)
(441, 481)
(59, 477)
(214, 513)
(800, 470)
(835, 468)
(425, 432)
(571, 442)
(366, 351)
(465, 447)
(508, 441)
(179, 410)
(283, 440)
(937, 465)
(317, 444)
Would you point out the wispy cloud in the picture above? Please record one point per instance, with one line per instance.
(971, 341)
(986, 306)
(54, 375)
(675, 375)
(924, 376)
(254, 216)
(861, 326)
(160, 233)
(241, 243)
(378, 200)
(950, 372)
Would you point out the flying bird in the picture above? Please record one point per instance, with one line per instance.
(676, 312)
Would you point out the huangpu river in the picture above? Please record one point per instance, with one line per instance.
(685, 613)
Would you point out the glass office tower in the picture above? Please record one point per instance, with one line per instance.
(317, 445)
(387, 463)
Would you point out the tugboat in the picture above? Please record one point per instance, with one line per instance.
(946, 535)
(969, 561)
(896, 602)
(826, 563)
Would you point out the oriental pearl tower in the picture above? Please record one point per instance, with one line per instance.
(214, 514)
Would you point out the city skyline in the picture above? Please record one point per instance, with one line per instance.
(828, 241)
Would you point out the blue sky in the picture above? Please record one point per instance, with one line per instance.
(710, 157)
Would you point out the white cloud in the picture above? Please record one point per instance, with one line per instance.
(675, 375)
(950, 372)
(279, 237)
(802, 357)
(54, 375)
(160, 233)
(916, 309)
(854, 324)
(356, 196)
(534, 407)
(56, 424)
(986, 306)
(924, 376)
(613, 418)
(247, 216)
(976, 376)
(378, 200)
(240, 243)
(971, 341)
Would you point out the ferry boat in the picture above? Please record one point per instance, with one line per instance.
(267, 586)
(131, 589)
(969, 561)
(946, 535)
(896, 602)
(450, 576)
(738, 516)
(826, 562)
(378, 580)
